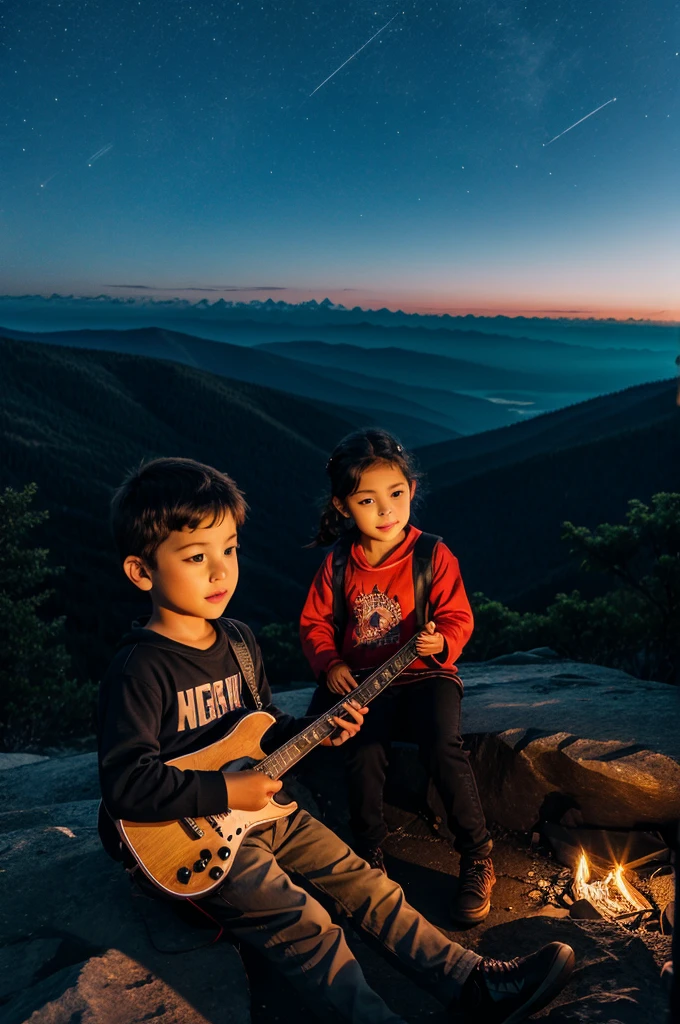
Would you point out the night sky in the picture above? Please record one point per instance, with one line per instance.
(156, 147)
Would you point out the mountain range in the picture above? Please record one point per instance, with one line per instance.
(143, 308)
(75, 420)
(500, 497)
(419, 415)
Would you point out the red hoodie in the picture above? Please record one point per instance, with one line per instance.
(381, 611)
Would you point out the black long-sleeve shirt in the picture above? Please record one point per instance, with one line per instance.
(161, 699)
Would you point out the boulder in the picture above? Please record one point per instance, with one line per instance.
(114, 988)
(524, 776)
(546, 653)
(588, 701)
(53, 780)
(546, 736)
(76, 944)
(17, 760)
(518, 658)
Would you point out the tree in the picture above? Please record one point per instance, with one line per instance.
(634, 627)
(643, 556)
(38, 699)
(500, 630)
(283, 659)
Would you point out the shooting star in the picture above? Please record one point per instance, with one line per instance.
(613, 100)
(48, 180)
(354, 54)
(99, 154)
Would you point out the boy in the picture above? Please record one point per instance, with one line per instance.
(175, 522)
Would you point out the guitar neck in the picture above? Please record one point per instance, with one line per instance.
(294, 750)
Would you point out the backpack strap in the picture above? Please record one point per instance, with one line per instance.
(244, 659)
(423, 550)
(341, 550)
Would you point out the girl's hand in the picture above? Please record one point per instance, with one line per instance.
(340, 679)
(430, 643)
(348, 728)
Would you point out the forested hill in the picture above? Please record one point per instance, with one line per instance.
(413, 421)
(502, 511)
(581, 423)
(75, 421)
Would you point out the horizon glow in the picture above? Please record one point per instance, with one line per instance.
(149, 147)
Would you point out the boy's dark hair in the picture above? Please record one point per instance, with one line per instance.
(166, 495)
(356, 453)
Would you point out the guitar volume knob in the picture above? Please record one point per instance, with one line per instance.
(224, 853)
(183, 875)
(216, 872)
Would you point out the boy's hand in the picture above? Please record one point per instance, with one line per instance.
(430, 642)
(250, 791)
(348, 728)
(339, 679)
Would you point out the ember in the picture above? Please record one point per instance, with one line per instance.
(613, 897)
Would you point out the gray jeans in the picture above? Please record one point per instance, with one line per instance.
(261, 905)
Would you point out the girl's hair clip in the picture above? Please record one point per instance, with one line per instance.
(399, 448)
(328, 464)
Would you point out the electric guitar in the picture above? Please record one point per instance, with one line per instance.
(192, 856)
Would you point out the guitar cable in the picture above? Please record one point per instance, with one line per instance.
(138, 893)
(211, 918)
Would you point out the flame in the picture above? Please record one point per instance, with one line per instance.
(611, 896)
(582, 872)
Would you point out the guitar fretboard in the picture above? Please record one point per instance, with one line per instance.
(292, 751)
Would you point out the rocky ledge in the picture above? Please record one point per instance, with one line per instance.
(78, 947)
(546, 736)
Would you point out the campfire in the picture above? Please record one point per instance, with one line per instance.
(602, 872)
(613, 896)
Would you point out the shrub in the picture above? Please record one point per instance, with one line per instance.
(284, 661)
(635, 627)
(39, 701)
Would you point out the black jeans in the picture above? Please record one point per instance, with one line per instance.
(427, 712)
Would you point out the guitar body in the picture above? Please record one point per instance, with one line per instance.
(191, 857)
(183, 858)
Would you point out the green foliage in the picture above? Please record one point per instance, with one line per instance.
(500, 630)
(635, 627)
(38, 699)
(607, 630)
(284, 661)
(643, 556)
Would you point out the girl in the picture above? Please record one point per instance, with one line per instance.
(354, 623)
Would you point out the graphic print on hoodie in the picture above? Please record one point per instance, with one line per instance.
(206, 702)
(376, 619)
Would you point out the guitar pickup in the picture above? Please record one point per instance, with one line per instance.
(193, 830)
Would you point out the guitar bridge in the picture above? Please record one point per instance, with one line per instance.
(191, 828)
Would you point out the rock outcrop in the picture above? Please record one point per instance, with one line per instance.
(524, 777)
(75, 945)
(546, 736)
